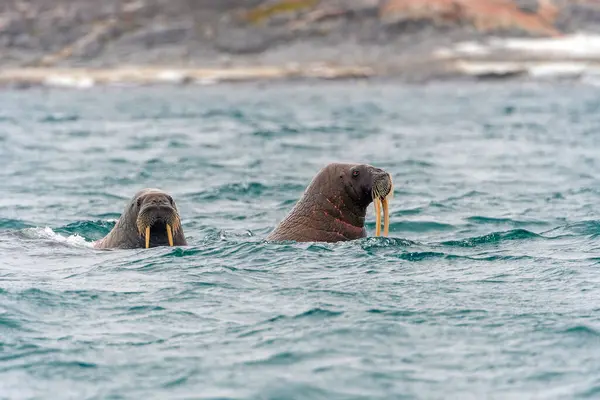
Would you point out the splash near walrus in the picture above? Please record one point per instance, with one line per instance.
(334, 205)
(150, 219)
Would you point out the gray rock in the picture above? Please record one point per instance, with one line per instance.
(209, 33)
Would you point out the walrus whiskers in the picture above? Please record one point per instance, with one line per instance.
(172, 228)
(175, 223)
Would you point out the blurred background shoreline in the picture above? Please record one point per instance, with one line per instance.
(83, 43)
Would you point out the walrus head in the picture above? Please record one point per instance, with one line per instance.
(366, 184)
(334, 205)
(150, 219)
(157, 218)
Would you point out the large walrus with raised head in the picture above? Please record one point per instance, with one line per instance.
(150, 219)
(334, 205)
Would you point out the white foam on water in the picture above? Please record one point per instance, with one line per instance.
(48, 234)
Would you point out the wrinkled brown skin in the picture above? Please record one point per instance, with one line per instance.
(333, 206)
(125, 235)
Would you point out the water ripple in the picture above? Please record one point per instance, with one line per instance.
(493, 238)
(486, 286)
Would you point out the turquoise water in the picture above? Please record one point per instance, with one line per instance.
(488, 286)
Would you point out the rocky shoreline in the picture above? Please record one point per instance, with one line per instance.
(88, 42)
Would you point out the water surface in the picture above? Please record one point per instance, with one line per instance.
(487, 287)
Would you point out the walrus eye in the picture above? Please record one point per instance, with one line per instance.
(139, 202)
(355, 173)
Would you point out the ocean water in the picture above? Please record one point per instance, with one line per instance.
(487, 287)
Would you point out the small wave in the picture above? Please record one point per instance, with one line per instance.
(48, 234)
(477, 219)
(9, 323)
(420, 255)
(319, 247)
(467, 195)
(283, 358)
(177, 381)
(141, 310)
(583, 228)
(314, 313)
(416, 163)
(495, 237)
(177, 144)
(182, 252)
(409, 211)
(416, 256)
(102, 194)
(47, 298)
(282, 130)
(378, 242)
(89, 229)
(582, 330)
(291, 146)
(418, 226)
(109, 217)
(25, 351)
(71, 364)
(492, 258)
(9, 224)
(392, 313)
(224, 113)
(591, 393)
(318, 313)
(232, 191)
(59, 118)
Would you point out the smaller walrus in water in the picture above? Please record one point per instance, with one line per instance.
(150, 219)
(334, 205)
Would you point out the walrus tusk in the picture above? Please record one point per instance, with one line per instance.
(147, 236)
(386, 217)
(170, 235)
(377, 216)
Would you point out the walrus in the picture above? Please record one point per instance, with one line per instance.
(150, 219)
(334, 205)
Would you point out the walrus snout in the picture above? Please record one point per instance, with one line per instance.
(158, 220)
(383, 188)
(382, 185)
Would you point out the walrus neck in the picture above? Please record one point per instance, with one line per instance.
(326, 212)
(343, 211)
(336, 216)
